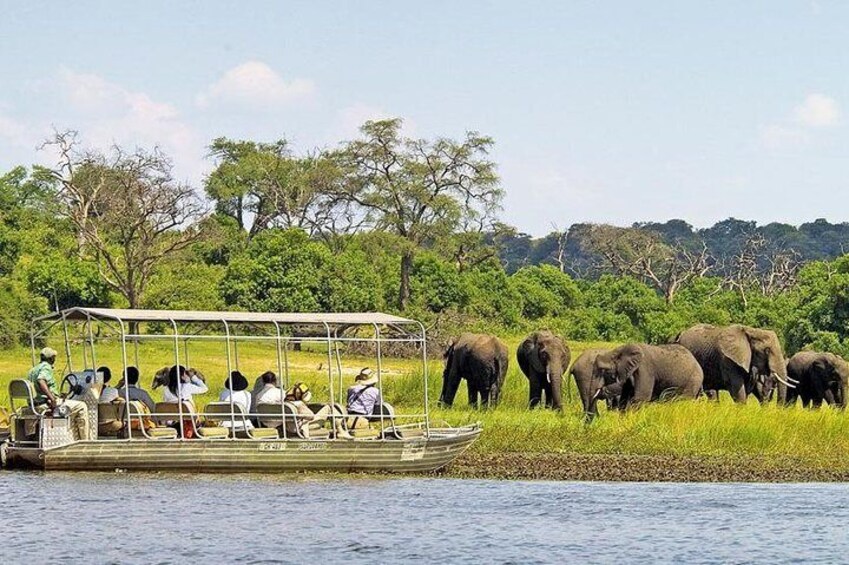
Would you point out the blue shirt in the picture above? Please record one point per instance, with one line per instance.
(362, 399)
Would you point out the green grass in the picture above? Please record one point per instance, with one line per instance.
(815, 438)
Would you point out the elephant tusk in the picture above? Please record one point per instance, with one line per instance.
(783, 381)
(548, 375)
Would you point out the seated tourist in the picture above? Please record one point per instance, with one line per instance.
(299, 395)
(47, 394)
(236, 386)
(363, 398)
(269, 392)
(109, 393)
(183, 385)
(132, 388)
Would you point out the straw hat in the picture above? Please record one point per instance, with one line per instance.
(365, 377)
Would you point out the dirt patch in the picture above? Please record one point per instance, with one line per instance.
(655, 468)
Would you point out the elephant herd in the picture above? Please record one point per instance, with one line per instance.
(704, 359)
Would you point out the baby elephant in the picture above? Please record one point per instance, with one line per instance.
(640, 373)
(821, 376)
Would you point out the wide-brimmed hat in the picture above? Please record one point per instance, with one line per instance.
(366, 377)
(48, 353)
(299, 391)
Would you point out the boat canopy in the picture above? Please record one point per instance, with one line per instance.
(190, 316)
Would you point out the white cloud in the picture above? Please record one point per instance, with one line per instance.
(777, 136)
(14, 131)
(254, 84)
(817, 110)
(107, 113)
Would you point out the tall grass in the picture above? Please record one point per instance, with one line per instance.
(819, 438)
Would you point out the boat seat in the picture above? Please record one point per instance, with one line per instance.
(138, 419)
(223, 412)
(296, 425)
(168, 413)
(110, 418)
(27, 417)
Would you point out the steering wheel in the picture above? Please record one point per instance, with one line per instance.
(69, 386)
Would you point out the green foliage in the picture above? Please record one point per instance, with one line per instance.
(185, 285)
(66, 281)
(545, 291)
(437, 286)
(17, 308)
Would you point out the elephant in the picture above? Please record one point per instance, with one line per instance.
(639, 373)
(582, 372)
(821, 376)
(543, 358)
(740, 359)
(482, 361)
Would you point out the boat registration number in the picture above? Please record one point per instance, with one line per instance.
(269, 446)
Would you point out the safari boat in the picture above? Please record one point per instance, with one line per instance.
(272, 438)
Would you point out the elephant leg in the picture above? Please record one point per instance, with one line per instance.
(473, 396)
(535, 390)
(486, 396)
(737, 388)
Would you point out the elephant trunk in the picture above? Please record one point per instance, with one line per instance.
(554, 375)
(449, 388)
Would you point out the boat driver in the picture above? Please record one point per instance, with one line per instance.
(47, 393)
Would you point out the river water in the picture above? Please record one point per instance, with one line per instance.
(106, 518)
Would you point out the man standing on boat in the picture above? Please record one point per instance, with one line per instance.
(42, 377)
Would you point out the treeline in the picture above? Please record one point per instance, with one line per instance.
(389, 223)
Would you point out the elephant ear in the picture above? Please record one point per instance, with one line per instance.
(628, 361)
(449, 349)
(734, 345)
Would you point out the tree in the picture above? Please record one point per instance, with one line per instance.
(643, 255)
(420, 190)
(127, 209)
(263, 186)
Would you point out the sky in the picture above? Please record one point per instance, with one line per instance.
(601, 111)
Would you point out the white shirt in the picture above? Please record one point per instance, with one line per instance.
(240, 397)
(270, 395)
(187, 390)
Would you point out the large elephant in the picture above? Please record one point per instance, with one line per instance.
(740, 359)
(640, 373)
(482, 361)
(588, 386)
(543, 358)
(821, 376)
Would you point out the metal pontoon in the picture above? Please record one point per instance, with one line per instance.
(413, 446)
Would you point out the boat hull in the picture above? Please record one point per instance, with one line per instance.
(413, 455)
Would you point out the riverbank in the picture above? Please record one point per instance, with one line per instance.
(641, 468)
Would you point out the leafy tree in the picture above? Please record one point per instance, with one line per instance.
(263, 186)
(545, 291)
(420, 190)
(128, 211)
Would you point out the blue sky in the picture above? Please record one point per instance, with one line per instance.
(601, 111)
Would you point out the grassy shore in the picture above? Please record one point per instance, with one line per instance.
(679, 440)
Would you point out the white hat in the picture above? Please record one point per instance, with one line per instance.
(365, 377)
(48, 353)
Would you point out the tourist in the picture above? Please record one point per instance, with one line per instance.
(236, 387)
(133, 390)
(363, 398)
(183, 385)
(269, 393)
(299, 395)
(109, 393)
(47, 394)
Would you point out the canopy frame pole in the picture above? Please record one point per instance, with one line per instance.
(425, 376)
(380, 380)
(127, 383)
(32, 342)
(67, 344)
(280, 376)
(91, 344)
(330, 376)
(229, 378)
(179, 378)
